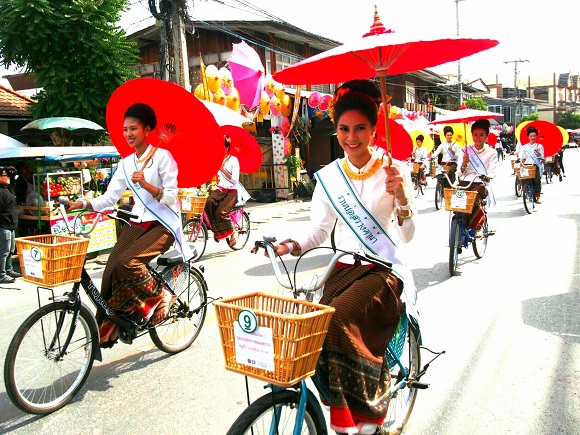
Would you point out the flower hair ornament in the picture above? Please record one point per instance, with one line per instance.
(342, 91)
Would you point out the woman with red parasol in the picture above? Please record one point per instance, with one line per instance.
(350, 192)
(223, 197)
(532, 153)
(151, 174)
(478, 163)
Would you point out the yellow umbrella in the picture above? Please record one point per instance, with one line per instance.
(461, 133)
(565, 135)
(519, 129)
(427, 142)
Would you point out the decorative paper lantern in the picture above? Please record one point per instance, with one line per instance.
(212, 76)
(219, 97)
(202, 94)
(286, 105)
(264, 103)
(314, 99)
(269, 88)
(285, 126)
(233, 101)
(324, 102)
(227, 80)
(275, 105)
(287, 146)
(279, 90)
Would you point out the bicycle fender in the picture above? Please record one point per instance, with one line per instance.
(315, 404)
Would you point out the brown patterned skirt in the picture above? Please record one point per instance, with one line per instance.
(218, 207)
(126, 284)
(352, 365)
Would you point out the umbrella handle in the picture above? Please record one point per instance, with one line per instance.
(148, 159)
(386, 98)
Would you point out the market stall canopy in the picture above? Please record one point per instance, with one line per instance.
(8, 142)
(60, 153)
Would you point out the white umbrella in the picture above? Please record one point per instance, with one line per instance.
(8, 142)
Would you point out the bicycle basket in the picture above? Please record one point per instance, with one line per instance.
(415, 168)
(397, 343)
(459, 200)
(51, 259)
(530, 170)
(192, 205)
(297, 328)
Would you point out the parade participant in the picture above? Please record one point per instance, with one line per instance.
(366, 297)
(532, 153)
(478, 163)
(449, 151)
(420, 154)
(8, 224)
(223, 197)
(151, 174)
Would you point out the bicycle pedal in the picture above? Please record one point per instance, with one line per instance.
(420, 385)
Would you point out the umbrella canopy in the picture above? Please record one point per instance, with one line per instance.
(492, 138)
(8, 142)
(77, 125)
(248, 73)
(461, 134)
(223, 115)
(428, 142)
(245, 147)
(399, 136)
(549, 135)
(184, 127)
(466, 115)
(379, 53)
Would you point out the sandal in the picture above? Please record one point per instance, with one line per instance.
(162, 309)
(233, 239)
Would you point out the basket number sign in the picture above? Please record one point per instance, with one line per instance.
(32, 265)
(459, 200)
(254, 344)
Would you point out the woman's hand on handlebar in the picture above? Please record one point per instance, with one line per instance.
(279, 249)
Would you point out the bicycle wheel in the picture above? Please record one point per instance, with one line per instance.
(548, 175)
(195, 233)
(37, 379)
(454, 241)
(260, 418)
(242, 226)
(528, 197)
(403, 400)
(439, 195)
(518, 187)
(187, 314)
(480, 245)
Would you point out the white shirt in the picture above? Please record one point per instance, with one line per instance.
(488, 157)
(444, 149)
(420, 154)
(525, 157)
(232, 165)
(161, 171)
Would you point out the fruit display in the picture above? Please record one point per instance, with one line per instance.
(60, 184)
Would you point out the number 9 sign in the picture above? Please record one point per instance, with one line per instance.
(248, 321)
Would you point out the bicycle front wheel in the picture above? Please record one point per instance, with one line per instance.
(480, 245)
(454, 241)
(242, 226)
(518, 187)
(276, 414)
(195, 233)
(403, 400)
(439, 195)
(187, 314)
(38, 379)
(528, 197)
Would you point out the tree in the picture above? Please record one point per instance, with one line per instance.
(74, 49)
(569, 120)
(476, 103)
(530, 117)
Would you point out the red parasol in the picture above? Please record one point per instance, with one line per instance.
(245, 147)
(399, 137)
(549, 135)
(377, 54)
(248, 73)
(184, 127)
(492, 138)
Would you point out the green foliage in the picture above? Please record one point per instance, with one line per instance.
(476, 103)
(294, 164)
(74, 49)
(569, 120)
(530, 117)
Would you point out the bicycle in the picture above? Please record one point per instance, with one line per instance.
(526, 175)
(295, 409)
(52, 353)
(417, 184)
(460, 236)
(443, 182)
(197, 228)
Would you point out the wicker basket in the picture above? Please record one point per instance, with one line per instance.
(531, 172)
(550, 159)
(51, 259)
(197, 204)
(415, 168)
(470, 200)
(298, 332)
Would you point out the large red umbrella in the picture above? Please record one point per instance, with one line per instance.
(184, 127)
(248, 73)
(245, 147)
(399, 136)
(549, 135)
(378, 54)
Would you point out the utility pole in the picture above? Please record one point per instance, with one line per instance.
(459, 83)
(516, 93)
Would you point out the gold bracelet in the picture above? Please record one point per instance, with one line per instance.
(296, 249)
(403, 216)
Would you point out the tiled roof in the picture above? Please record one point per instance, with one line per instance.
(14, 104)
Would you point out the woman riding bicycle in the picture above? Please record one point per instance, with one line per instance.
(370, 206)
(478, 163)
(223, 197)
(449, 151)
(532, 153)
(420, 154)
(151, 174)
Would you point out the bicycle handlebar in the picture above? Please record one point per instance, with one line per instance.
(268, 244)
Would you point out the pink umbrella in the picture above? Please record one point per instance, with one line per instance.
(248, 73)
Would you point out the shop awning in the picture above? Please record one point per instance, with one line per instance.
(60, 153)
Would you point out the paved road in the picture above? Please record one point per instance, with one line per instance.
(508, 322)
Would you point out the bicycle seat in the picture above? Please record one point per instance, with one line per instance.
(169, 259)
